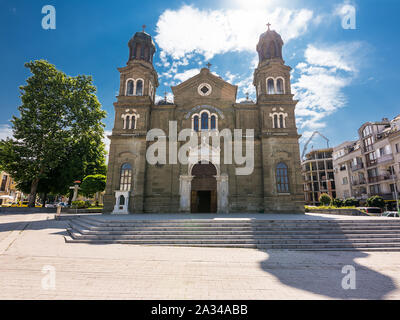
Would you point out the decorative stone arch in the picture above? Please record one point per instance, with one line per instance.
(210, 115)
(198, 156)
(283, 85)
(133, 88)
(267, 83)
(130, 119)
(278, 120)
(136, 87)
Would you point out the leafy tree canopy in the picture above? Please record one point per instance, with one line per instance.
(93, 184)
(57, 137)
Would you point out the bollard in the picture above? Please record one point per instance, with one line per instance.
(58, 210)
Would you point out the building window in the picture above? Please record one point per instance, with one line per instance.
(204, 121)
(279, 87)
(126, 177)
(279, 120)
(129, 121)
(139, 88)
(130, 87)
(270, 86)
(367, 131)
(345, 181)
(213, 122)
(282, 180)
(196, 123)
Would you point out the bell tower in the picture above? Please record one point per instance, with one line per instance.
(272, 76)
(139, 77)
(127, 159)
(279, 136)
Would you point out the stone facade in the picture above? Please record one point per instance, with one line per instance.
(205, 103)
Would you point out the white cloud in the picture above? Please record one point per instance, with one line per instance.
(183, 76)
(5, 132)
(320, 83)
(211, 32)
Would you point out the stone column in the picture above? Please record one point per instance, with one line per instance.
(185, 189)
(222, 193)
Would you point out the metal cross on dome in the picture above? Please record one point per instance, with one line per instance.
(208, 65)
(268, 25)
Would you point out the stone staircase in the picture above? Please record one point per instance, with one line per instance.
(325, 235)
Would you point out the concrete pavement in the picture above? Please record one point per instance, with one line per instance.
(36, 263)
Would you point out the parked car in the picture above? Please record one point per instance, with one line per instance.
(372, 211)
(63, 204)
(391, 214)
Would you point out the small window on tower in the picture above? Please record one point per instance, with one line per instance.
(129, 88)
(139, 88)
(271, 86)
(279, 86)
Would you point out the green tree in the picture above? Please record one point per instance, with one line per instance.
(93, 185)
(58, 135)
(325, 199)
(376, 201)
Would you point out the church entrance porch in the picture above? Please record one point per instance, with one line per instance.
(204, 188)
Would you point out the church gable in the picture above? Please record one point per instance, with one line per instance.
(205, 85)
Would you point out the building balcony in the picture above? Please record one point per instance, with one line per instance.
(357, 167)
(385, 158)
(380, 178)
(369, 148)
(359, 182)
(372, 163)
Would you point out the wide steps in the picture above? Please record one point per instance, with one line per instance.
(369, 235)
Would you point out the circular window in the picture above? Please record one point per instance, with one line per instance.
(204, 89)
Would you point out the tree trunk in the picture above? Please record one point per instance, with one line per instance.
(32, 195)
(44, 199)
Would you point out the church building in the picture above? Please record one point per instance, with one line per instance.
(205, 103)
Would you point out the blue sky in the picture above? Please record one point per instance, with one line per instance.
(342, 77)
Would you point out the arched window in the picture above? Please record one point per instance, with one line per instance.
(204, 121)
(133, 122)
(279, 86)
(270, 86)
(213, 122)
(196, 123)
(126, 177)
(129, 88)
(276, 121)
(281, 122)
(139, 88)
(121, 200)
(282, 180)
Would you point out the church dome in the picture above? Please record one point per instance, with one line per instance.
(270, 46)
(141, 47)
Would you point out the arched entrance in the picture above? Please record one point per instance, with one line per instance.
(204, 188)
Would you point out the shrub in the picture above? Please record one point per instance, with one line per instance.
(351, 202)
(376, 201)
(337, 203)
(325, 199)
(80, 204)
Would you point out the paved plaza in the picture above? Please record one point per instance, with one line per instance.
(36, 263)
